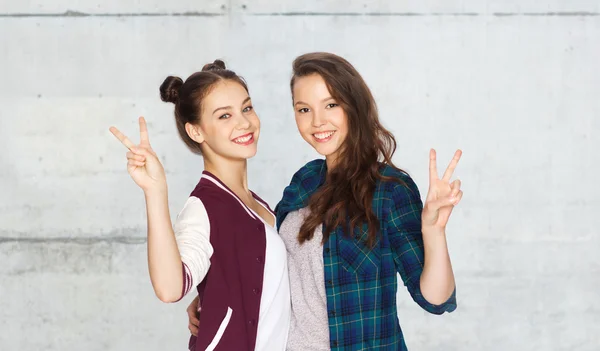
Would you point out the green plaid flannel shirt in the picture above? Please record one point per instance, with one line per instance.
(361, 283)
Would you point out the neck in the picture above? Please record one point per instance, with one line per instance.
(234, 173)
(330, 160)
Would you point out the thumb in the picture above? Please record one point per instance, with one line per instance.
(435, 205)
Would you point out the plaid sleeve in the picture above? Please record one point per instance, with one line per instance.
(406, 240)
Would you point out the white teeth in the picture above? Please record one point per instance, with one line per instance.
(323, 135)
(242, 140)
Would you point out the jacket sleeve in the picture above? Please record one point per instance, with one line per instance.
(192, 233)
(406, 240)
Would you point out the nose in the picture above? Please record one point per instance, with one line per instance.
(243, 122)
(318, 119)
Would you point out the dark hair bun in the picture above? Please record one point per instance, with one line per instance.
(215, 66)
(169, 89)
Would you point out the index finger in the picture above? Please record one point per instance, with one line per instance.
(122, 138)
(144, 139)
(452, 165)
(433, 174)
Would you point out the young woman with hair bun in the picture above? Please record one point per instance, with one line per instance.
(224, 243)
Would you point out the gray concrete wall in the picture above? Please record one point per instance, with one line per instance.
(515, 84)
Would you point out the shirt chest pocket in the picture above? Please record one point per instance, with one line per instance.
(356, 256)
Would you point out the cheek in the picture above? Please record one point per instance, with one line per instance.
(254, 119)
(340, 121)
(221, 132)
(300, 123)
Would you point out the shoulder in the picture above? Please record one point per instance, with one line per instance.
(306, 180)
(310, 170)
(193, 215)
(210, 195)
(398, 187)
(205, 209)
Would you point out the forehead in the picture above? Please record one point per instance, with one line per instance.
(310, 88)
(225, 93)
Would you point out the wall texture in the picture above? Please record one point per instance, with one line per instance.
(514, 84)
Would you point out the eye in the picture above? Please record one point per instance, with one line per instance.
(225, 116)
(303, 110)
(332, 105)
(248, 109)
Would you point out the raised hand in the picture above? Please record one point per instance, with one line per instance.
(142, 164)
(442, 195)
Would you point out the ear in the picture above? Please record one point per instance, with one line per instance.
(194, 133)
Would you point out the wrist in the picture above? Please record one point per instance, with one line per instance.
(433, 232)
(156, 191)
(434, 241)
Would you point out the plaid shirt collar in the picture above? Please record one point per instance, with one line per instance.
(304, 183)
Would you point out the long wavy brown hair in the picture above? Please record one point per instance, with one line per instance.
(346, 196)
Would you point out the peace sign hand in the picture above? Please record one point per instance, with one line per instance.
(142, 163)
(442, 195)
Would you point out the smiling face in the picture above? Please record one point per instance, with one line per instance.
(320, 119)
(229, 127)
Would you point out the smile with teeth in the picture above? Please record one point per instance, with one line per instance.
(244, 139)
(323, 136)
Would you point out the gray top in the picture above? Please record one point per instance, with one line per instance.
(309, 328)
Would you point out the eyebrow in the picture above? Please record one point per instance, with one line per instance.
(304, 103)
(229, 107)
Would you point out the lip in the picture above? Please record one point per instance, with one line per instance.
(250, 141)
(326, 139)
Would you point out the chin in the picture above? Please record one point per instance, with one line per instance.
(248, 155)
(325, 151)
(244, 155)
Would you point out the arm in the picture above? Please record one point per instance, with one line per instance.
(419, 262)
(164, 260)
(192, 233)
(176, 258)
(437, 280)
